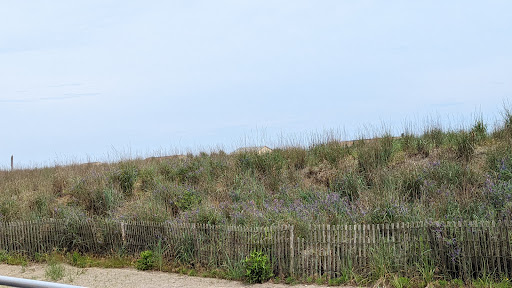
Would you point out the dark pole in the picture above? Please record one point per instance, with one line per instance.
(12, 162)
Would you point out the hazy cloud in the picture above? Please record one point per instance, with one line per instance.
(447, 104)
(69, 96)
(65, 85)
(64, 97)
(16, 100)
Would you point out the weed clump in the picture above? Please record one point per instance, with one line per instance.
(55, 271)
(257, 268)
(146, 261)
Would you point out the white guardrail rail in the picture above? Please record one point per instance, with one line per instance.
(26, 283)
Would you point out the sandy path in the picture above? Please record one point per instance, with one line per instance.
(128, 278)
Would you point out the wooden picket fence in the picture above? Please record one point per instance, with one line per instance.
(463, 250)
(458, 249)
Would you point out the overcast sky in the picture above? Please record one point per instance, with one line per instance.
(95, 80)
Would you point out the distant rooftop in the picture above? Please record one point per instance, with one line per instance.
(257, 149)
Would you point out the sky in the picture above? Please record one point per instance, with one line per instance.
(100, 80)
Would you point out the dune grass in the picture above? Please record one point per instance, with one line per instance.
(439, 175)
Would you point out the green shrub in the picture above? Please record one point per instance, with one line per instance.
(146, 261)
(187, 198)
(126, 177)
(257, 268)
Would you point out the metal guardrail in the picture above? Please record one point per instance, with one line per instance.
(26, 283)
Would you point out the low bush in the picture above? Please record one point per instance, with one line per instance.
(146, 261)
(257, 268)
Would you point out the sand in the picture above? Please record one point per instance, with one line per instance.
(127, 278)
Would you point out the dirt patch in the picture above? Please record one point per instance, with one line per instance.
(127, 278)
(319, 175)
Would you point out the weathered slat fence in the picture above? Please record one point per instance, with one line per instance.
(458, 249)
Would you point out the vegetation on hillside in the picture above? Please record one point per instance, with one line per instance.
(439, 175)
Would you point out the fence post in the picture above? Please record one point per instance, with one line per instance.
(12, 162)
(123, 234)
(292, 252)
